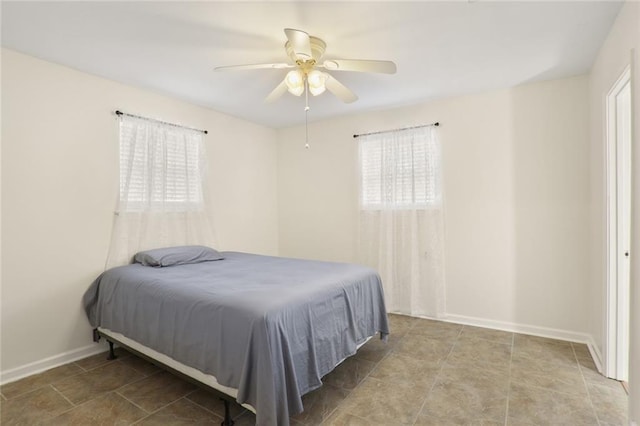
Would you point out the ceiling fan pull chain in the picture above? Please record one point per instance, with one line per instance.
(306, 114)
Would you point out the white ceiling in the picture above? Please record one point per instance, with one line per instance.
(441, 48)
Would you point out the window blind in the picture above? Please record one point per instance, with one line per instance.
(399, 170)
(160, 167)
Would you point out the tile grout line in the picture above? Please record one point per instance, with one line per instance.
(435, 380)
(130, 401)
(84, 370)
(551, 391)
(367, 375)
(586, 385)
(46, 384)
(144, 374)
(351, 391)
(364, 378)
(115, 391)
(105, 362)
(334, 410)
(564, 392)
(506, 413)
(134, 381)
(65, 398)
(557, 365)
(353, 415)
(139, 420)
(150, 413)
(207, 409)
(119, 356)
(119, 389)
(73, 406)
(27, 392)
(166, 405)
(103, 393)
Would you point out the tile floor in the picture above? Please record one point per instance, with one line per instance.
(429, 373)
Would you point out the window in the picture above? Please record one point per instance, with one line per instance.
(400, 223)
(160, 167)
(399, 170)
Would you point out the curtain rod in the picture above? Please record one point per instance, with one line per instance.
(119, 113)
(436, 124)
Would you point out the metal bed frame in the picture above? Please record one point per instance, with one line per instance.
(226, 399)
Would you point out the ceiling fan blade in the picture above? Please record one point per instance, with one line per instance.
(252, 67)
(340, 90)
(300, 43)
(360, 65)
(277, 92)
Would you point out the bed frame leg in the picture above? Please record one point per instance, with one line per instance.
(227, 414)
(112, 354)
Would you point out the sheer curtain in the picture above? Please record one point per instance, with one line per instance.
(401, 222)
(162, 190)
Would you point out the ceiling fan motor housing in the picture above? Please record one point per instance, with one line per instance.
(317, 49)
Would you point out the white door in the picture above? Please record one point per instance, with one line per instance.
(619, 152)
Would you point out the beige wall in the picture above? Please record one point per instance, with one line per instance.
(613, 57)
(59, 187)
(516, 189)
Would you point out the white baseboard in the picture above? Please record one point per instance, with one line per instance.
(596, 355)
(36, 367)
(571, 336)
(551, 333)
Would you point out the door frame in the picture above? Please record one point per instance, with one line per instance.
(616, 311)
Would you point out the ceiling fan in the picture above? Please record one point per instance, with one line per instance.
(310, 73)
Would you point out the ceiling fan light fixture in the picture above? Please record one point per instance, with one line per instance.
(316, 81)
(296, 91)
(295, 82)
(315, 91)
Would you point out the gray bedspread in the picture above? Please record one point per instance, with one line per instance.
(270, 327)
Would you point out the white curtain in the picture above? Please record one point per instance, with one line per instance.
(401, 221)
(162, 194)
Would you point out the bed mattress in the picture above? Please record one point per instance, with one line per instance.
(267, 327)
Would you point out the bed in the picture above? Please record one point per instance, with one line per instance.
(262, 329)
